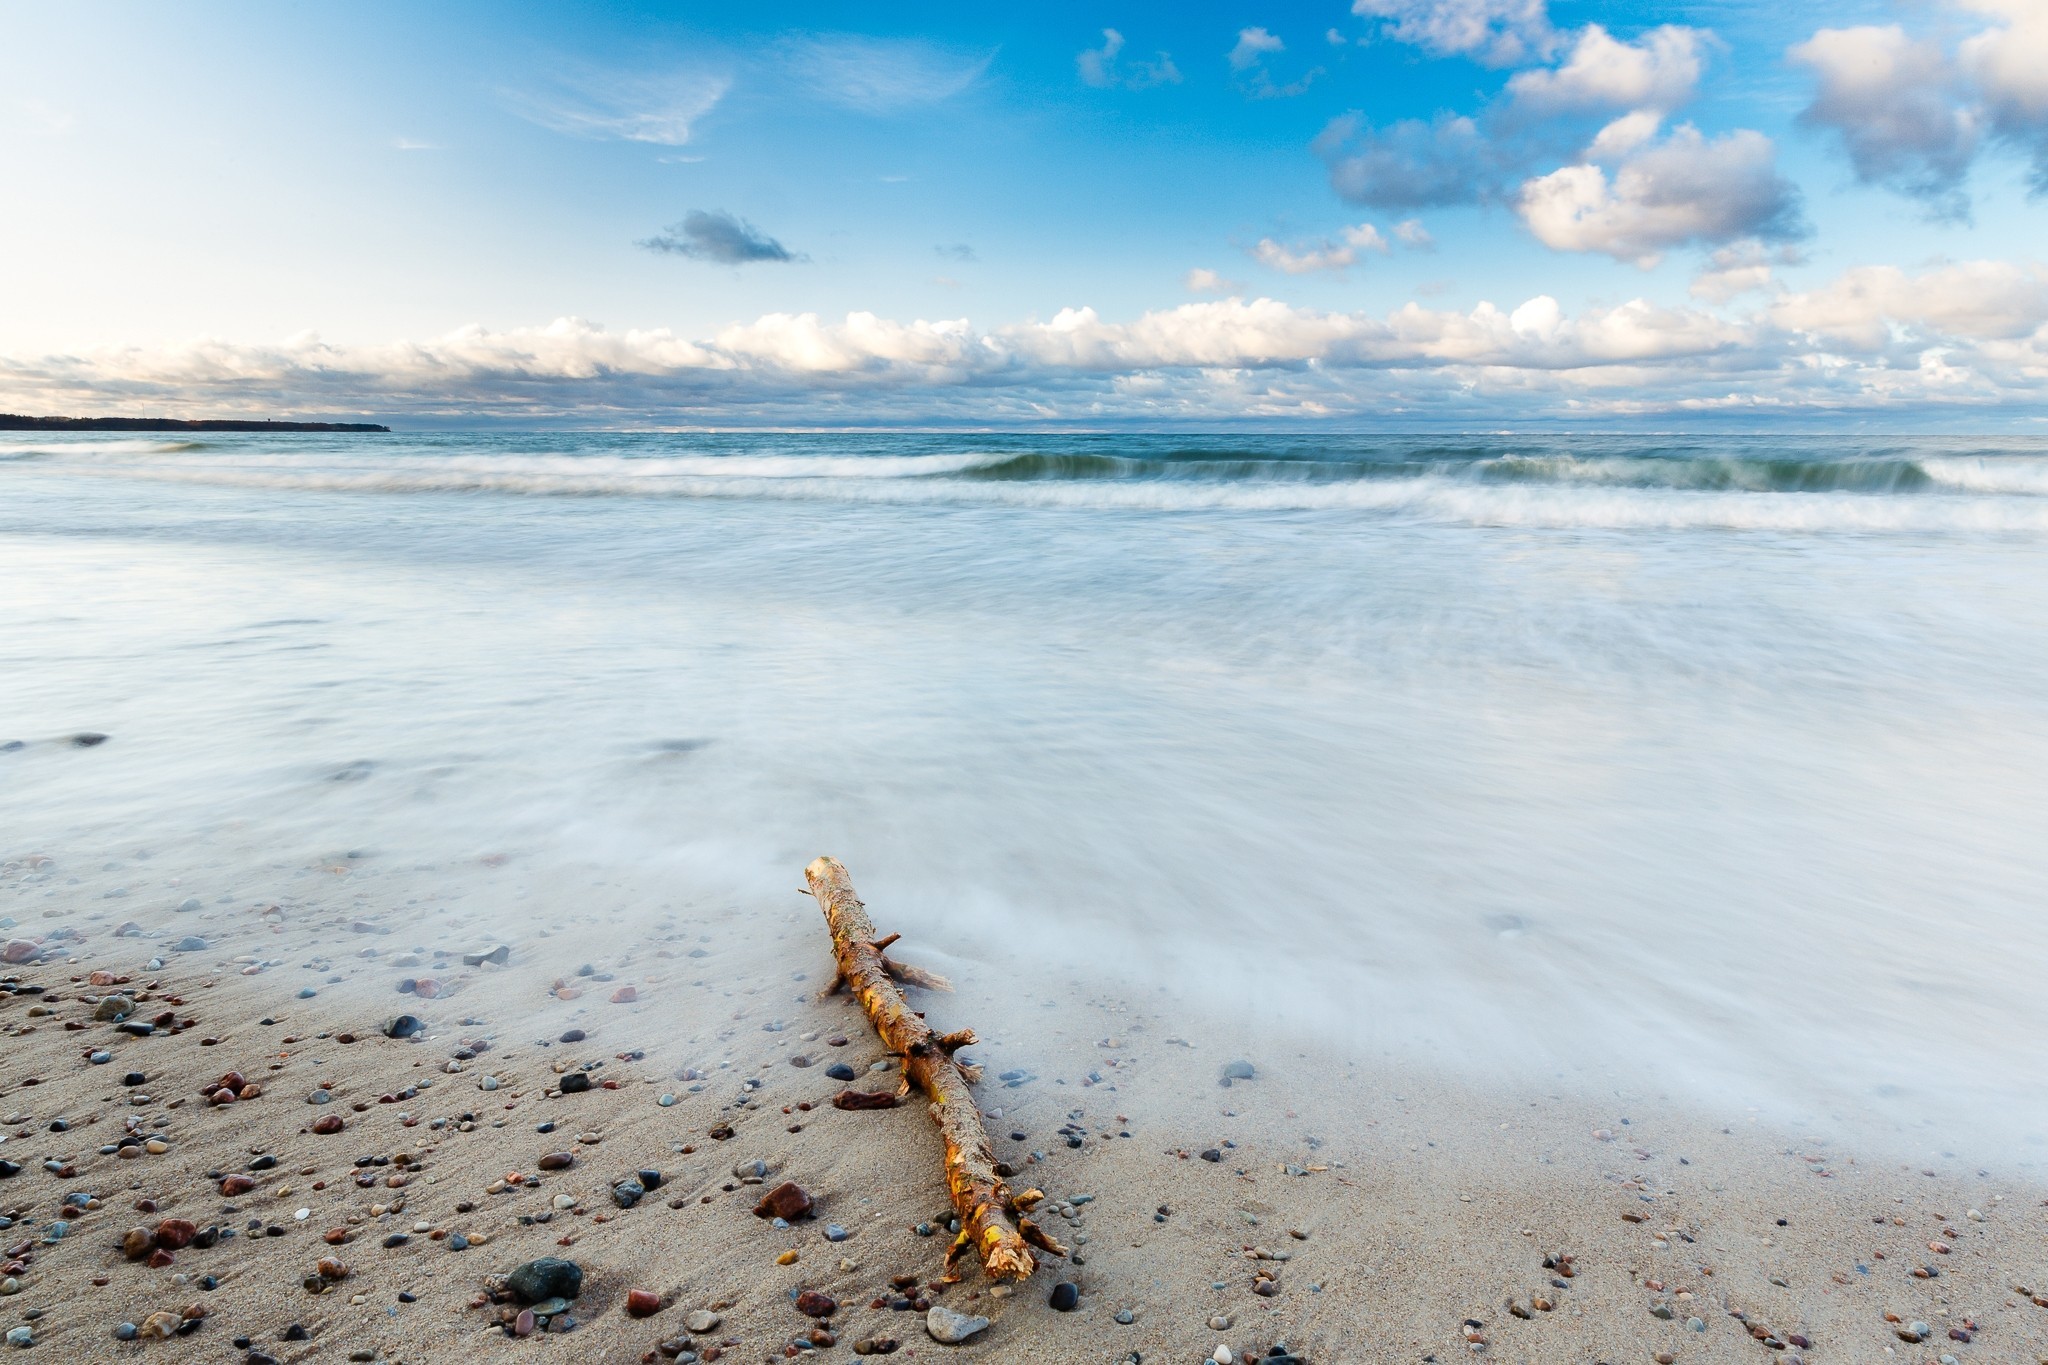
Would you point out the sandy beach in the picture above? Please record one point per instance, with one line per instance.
(1341, 1211)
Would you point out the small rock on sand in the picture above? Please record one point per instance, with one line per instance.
(950, 1327)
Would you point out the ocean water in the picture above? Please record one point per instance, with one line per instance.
(1705, 768)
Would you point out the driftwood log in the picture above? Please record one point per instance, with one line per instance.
(993, 1224)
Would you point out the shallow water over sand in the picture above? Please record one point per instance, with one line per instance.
(1708, 769)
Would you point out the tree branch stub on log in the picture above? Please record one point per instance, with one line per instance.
(993, 1224)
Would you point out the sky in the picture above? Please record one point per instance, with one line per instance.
(1360, 213)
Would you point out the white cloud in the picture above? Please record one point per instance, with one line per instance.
(1411, 233)
(1913, 115)
(1252, 45)
(613, 106)
(1496, 32)
(1738, 269)
(1686, 189)
(1334, 255)
(1875, 337)
(880, 75)
(1977, 300)
(1658, 71)
(1409, 164)
(1202, 280)
(1100, 68)
(1624, 135)
(2009, 61)
(1893, 101)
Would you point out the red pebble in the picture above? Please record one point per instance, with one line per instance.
(864, 1099)
(642, 1303)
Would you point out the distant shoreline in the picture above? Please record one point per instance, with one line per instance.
(10, 421)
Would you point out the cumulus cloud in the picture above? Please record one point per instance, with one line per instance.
(1659, 71)
(1876, 337)
(1411, 233)
(1410, 164)
(1542, 115)
(1334, 255)
(1863, 308)
(1738, 269)
(1913, 115)
(1202, 280)
(1495, 32)
(716, 235)
(1893, 101)
(1099, 67)
(1248, 59)
(880, 75)
(1253, 44)
(2008, 64)
(661, 109)
(1684, 190)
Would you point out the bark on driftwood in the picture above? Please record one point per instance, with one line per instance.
(993, 1224)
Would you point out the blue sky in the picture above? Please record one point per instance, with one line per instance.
(1474, 211)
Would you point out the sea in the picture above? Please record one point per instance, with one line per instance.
(1711, 769)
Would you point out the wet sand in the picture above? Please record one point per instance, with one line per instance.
(1393, 1217)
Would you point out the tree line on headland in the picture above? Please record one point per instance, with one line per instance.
(10, 421)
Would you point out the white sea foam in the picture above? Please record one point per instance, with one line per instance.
(1642, 808)
(1585, 494)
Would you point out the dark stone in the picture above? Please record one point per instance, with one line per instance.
(402, 1026)
(575, 1083)
(134, 1078)
(1238, 1071)
(550, 1277)
(87, 739)
(648, 1177)
(574, 1035)
(627, 1193)
(1212, 1155)
(813, 1304)
(840, 1071)
(1066, 1297)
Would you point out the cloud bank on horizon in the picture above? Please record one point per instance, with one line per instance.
(1461, 211)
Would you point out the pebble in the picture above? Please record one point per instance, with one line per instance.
(1066, 1296)
(787, 1200)
(814, 1303)
(702, 1321)
(191, 943)
(575, 1083)
(835, 1233)
(23, 1337)
(840, 1071)
(950, 1327)
(547, 1278)
(642, 1303)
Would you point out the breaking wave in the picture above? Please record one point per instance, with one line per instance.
(1578, 482)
